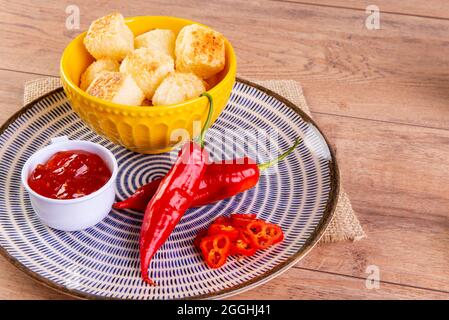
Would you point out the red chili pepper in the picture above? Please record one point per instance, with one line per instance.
(215, 249)
(139, 199)
(221, 180)
(224, 180)
(243, 245)
(263, 234)
(173, 197)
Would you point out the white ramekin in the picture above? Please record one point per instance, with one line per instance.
(72, 214)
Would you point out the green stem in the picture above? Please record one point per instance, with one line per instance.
(209, 117)
(270, 163)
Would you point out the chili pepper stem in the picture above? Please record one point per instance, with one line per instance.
(208, 119)
(266, 165)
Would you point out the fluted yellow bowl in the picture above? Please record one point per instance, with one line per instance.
(143, 129)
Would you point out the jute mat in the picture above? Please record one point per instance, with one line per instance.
(344, 226)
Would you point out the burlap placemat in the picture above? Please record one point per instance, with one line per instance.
(344, 226)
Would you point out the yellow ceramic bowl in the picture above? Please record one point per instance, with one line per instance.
(142, 129)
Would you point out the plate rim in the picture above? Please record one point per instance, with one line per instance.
(309, 244)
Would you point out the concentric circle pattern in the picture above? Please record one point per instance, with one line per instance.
(103, 261)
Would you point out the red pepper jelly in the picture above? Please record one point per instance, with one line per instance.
(69, 175)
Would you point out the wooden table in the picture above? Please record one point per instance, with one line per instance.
(381, 96)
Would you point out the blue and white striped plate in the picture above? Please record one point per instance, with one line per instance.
(299, 194)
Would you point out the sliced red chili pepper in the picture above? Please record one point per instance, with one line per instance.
(222, 220)
(227, 229)
(241, 220)
(275, 232)
(243, 245)
(215, 250)
(262, 234)
(250, 216)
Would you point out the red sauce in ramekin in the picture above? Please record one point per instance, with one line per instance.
(69, 175)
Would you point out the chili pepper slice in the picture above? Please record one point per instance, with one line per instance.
(226, 229)
(243, 245)
(215, 250)
(241, 220)
(264, 234)
(275, 232)
(250, 216)
(222, 220)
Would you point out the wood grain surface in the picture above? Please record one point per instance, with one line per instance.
(381, 96)
(428, 9)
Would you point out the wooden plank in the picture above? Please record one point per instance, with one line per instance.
(14, 284)
(432, 8)
(11, 92)
(399, 73)
(397, 179)
(293, 284)
(306, 284)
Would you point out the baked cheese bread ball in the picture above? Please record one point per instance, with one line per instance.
(200, 50)
(95, 68)
(109, 37)
(116, 87)
(148, 68)
(157, 39)
(178, 87)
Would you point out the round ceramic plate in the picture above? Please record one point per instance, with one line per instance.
(299, 194)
